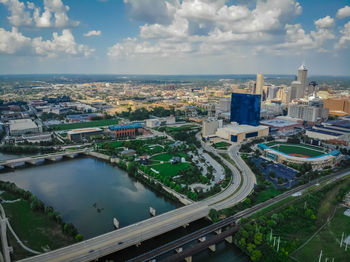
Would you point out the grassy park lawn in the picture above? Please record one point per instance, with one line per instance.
(221, 145)
(35, 229)
(163, 157)
(166, 157)
(155, 149)
(96, 123)
(328, 239)
(170, 170)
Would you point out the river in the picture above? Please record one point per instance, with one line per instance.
(90, 193)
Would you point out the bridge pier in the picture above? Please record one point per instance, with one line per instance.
(15, 164)
(116, 223)
(202, 239)
(54, 158)
(186, 225)
(188, 259)
(72, 155)
(212, 247)
(138, 244)
(152, 211)
(228, 239)
(178, 250)
(35, 161)
(218, 232)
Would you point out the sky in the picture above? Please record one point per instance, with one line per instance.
(174, 36)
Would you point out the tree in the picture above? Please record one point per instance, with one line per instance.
(258, 238)
(242, 242)
(256, 255)
(79, 237)
(70, 230)
(213, 214)
(250, 248)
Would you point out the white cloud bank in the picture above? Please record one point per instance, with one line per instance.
(27, 14)
(12, 42)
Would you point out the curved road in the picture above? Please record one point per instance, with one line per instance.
(131, 235)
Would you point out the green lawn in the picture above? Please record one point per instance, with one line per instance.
(272, 143)
(96, 123)
(297, 149)
(221, 145)
(35, 229)
(328, 239)
(155, 149)
(163, 157)
(166, 156)
(169, 170)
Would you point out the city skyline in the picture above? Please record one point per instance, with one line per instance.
(173, 37)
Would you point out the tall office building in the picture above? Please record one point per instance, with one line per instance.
(313, 111)
(259, 84)
(245, 109)
(302, 78)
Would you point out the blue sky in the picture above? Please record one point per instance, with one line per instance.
(174, 37)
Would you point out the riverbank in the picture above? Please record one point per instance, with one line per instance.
(40, 230)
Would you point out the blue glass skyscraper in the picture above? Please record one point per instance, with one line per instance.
(245, 109)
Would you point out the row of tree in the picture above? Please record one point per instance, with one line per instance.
(12, 149)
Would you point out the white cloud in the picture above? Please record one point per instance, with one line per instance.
(325, 22)
(344, 40)
(343, 12)
(12, 41)
(19, 16)
(53, 15)
(297, 41)
(93, 33)
(60, 44)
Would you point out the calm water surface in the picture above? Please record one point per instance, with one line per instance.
(90, 193)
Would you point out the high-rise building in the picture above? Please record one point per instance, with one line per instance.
(245, 109)
(311, 112)
(259, 84)
(225, 104)
(302, 78)
(297, 90)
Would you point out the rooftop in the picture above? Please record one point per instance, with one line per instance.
(278, 122)
(324, 132)
(123, 127)
(243, 128)
(22, 124)
(84, 130)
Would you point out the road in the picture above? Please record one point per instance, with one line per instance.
(131, 235)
